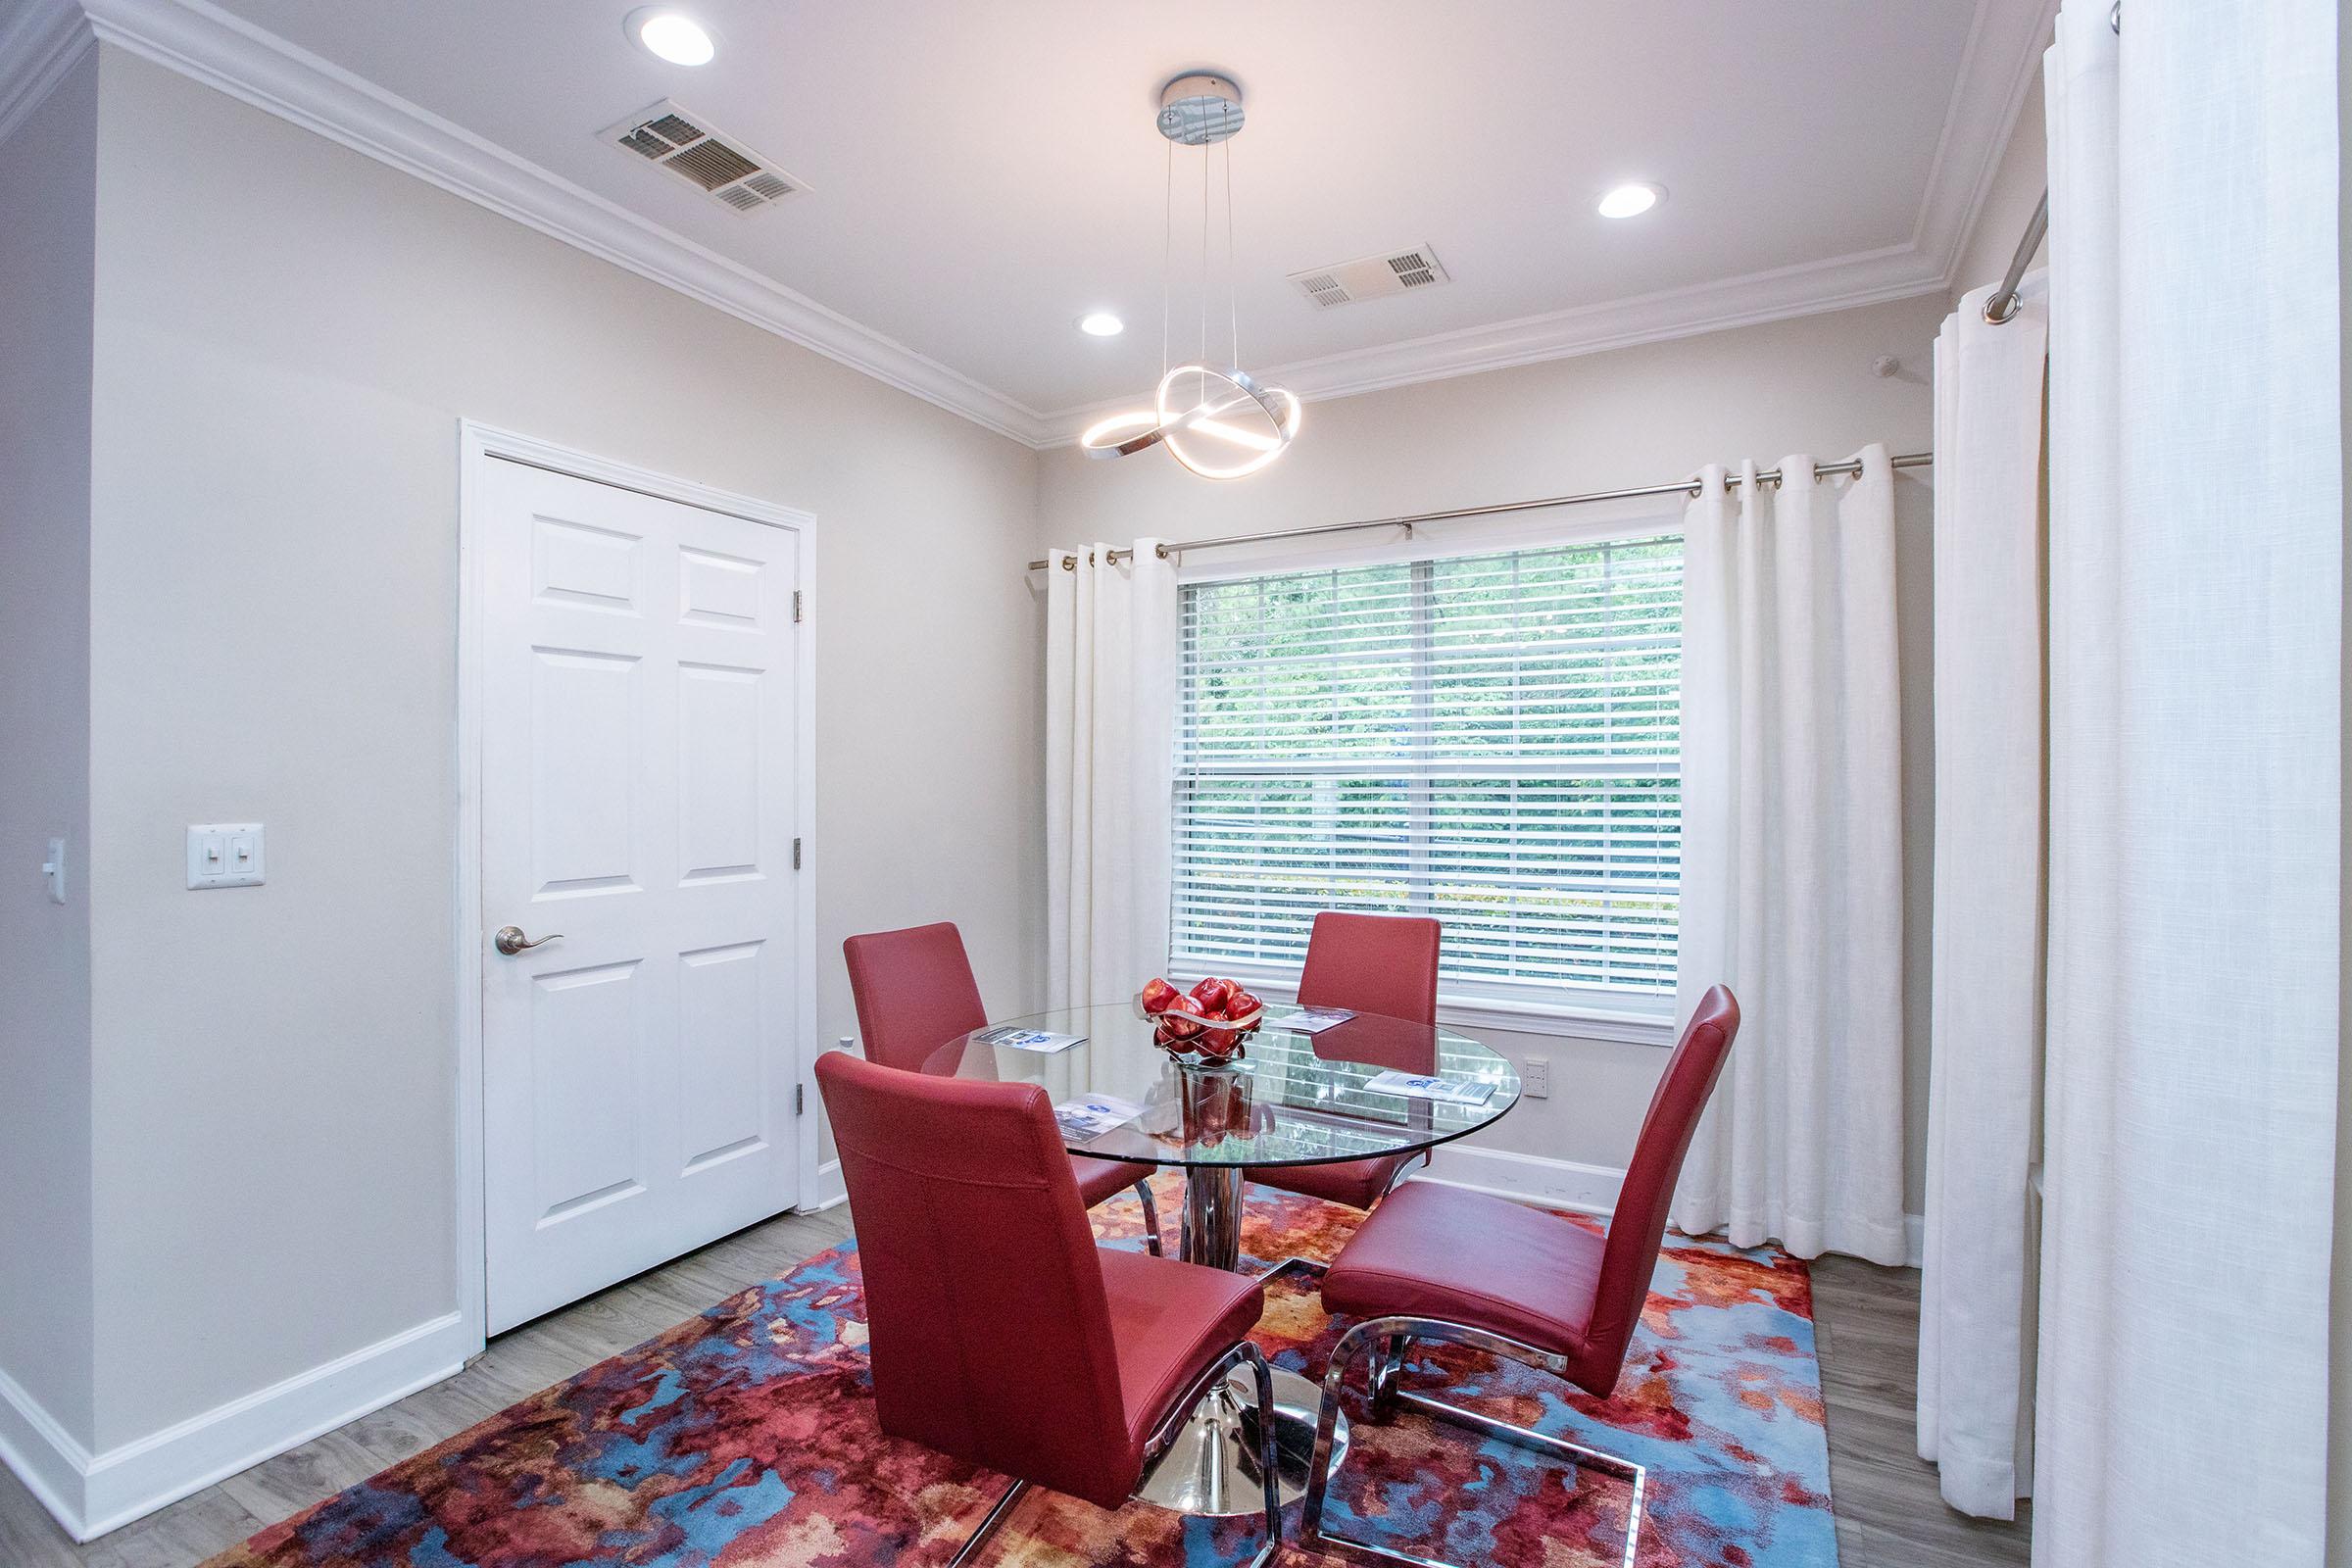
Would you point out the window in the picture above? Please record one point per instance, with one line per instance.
(1492, 740)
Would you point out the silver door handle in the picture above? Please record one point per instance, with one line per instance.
(510, 940)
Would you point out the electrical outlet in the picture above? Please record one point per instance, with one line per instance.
(1534, 1077)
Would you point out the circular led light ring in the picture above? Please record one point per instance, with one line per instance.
(1123, 434)
(1280, 407)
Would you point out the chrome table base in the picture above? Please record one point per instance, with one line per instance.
(1211, 1466)
(1212, 1226)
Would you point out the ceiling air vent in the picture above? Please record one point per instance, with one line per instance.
(716, 164)
(1371, 277)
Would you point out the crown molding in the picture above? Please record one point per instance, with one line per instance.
(2004, 50)
(1839, 283)
(1996, 72)
(42, 39)
(224, 52)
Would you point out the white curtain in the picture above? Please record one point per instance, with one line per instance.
(1792, 857)
(2196, 601)
(1976, 1313)
(1111, 693)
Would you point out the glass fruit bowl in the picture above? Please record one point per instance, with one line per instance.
(1202, 1026)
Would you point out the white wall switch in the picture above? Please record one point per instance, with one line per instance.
(54, 869)
(1534, 1077)
(225, 854)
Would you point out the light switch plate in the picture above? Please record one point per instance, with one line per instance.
(225, 854)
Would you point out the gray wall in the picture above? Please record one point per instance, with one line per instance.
(47, 187)
(287, 335)
(1634, 417)
(2339, 1322)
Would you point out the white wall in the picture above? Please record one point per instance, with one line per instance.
(287, 334)
(1634, 417)
(47, 170)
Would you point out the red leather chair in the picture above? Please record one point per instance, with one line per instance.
(1443, 1263)
(915, 993)
(1372, 963)
(1000, 1333)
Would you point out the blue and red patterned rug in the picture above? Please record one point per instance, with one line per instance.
(747, 1437)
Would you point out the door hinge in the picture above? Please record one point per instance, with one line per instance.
(799, 1099)
(796, 855)
(796, 607)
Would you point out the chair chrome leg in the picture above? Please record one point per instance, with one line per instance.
(1389, 1336)
(1387, 1365)
(988, 1526)
(1398, 1177)
(1327, 1420)
(1268, 1472)
(1143, 1190)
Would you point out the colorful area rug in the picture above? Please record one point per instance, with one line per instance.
(747, 1437)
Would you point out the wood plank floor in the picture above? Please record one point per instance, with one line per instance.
(1889, 1514)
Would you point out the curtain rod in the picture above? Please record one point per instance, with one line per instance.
(2003, 303)
(1821, 471)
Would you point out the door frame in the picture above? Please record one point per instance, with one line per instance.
(478, 446)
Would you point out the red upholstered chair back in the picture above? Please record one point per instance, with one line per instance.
(1631, 1255)
(914, 992)
(1372, 963)
(990, 1329)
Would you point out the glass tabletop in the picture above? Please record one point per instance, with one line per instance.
(1293, 1098)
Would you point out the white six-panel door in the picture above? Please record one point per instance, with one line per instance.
(637, 814)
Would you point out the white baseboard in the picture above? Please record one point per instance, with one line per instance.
(91, 1494)
(1525, 1178)
(40, 1452)
(830, 1189)
(1570, 1185)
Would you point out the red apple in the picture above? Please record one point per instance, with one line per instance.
(1211, 994)
(1159, 996)
(1218, 1043)
(1240, 1005)
(1178, 1028)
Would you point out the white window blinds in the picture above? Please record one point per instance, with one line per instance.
(1492, 740)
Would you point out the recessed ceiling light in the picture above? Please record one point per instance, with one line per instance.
(1100, 323)
(672, 35)
(1630, 201)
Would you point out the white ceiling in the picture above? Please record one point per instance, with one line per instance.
(982, 173)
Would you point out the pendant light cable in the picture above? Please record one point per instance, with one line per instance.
(1204, 356)
(1167, 252)
(1233, 286)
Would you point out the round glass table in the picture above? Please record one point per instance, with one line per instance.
(1292, 1098)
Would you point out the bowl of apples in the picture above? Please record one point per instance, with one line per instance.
(1209, 1023)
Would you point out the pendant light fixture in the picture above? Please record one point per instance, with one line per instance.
(1210, 415)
